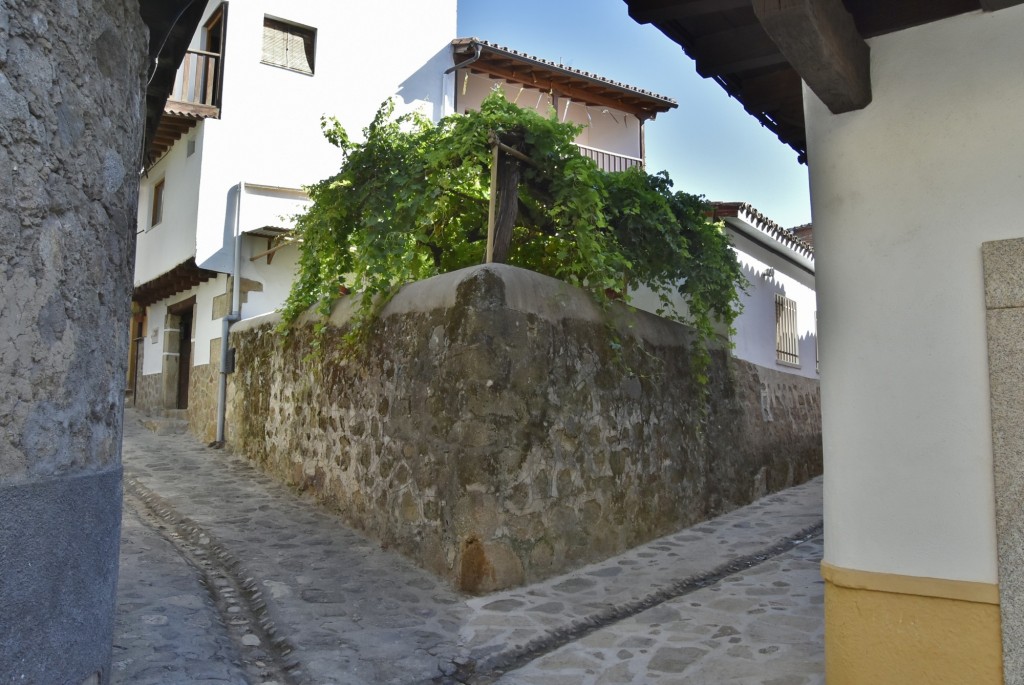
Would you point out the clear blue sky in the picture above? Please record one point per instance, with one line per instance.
(709, 145)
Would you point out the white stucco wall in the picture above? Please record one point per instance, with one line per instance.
(768, 274)
(754, 340)
(269, 134)
(269, 130)
(173, 240)
(606, 129)
(903, 194)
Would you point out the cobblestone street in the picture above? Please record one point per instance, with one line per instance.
(229, 577)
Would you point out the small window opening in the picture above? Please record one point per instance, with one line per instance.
(156, 214)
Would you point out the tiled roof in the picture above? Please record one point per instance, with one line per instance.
(492, 53)
(752, 216)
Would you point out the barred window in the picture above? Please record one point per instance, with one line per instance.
(289, 45)
(787, 341)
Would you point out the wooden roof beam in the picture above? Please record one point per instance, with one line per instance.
(820, 41)
(647, 11)
(576, 94)
(993, 5)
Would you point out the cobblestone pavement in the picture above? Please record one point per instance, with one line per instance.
(759, 627)
(167, 627)
(227, 576)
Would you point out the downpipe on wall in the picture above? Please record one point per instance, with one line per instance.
(236, 314)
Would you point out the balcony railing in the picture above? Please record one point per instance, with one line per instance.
(610, 161)
(198, 83)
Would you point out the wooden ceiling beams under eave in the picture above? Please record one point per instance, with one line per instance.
(563, 87)
(820, 40)
(169, 130)
(737, 49)
(179, 279)
(994, 5)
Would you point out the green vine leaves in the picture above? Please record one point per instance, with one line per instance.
(410, 202)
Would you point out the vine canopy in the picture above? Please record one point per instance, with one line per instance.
(411, 201)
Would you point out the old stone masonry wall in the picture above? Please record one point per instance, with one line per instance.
(72, 85)
(500, 427)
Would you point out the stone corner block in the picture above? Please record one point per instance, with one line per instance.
(1003, 264)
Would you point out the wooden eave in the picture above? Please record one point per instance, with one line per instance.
(481, 57)
(729, 44)
(172, 23)
(178, 119)
(179, 279)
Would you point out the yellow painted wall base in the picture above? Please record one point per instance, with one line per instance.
(882, 629)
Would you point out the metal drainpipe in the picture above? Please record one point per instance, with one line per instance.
(235, 315)
(477, 49)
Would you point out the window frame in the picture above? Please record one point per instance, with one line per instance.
(787, 333)
(156, 203)
(293, 28)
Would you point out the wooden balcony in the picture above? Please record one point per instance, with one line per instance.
(610, 161)
(195, 96)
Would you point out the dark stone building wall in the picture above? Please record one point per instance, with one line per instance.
(72, 79)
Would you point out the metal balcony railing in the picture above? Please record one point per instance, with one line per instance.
(610, 161)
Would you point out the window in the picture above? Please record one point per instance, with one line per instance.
(787, 342)
(156, 211)
(288, 45)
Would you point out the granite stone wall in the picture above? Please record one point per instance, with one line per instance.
(72, 82)
(202, 396)
(499, 427)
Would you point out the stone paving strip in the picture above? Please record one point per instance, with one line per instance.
(507, 629)
(168, 629)
(759, 627)
(346, 611)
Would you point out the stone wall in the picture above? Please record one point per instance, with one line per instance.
(72, 83)
(149, 393)
(499, 428)
(202, 396)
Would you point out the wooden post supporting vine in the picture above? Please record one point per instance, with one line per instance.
(495, 153)
(504, 204)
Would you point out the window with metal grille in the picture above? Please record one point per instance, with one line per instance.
(787, 341)
(289, 45)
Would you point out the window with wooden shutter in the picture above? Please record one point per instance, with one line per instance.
(289, 45)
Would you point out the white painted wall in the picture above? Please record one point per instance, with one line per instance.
(754, 340)
(903, 194)
(167, 244)
(768, 274)
(276, 277)
(269, 134)
(607, 129)
(269, 130)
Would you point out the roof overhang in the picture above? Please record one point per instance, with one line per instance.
(172, 23)
(480, 56)
(747, 221)
(760, 50)
(179, 279)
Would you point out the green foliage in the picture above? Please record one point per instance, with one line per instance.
(411, 201)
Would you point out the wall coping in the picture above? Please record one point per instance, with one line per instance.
(525, 291)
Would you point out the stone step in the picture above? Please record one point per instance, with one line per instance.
(162, 425)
